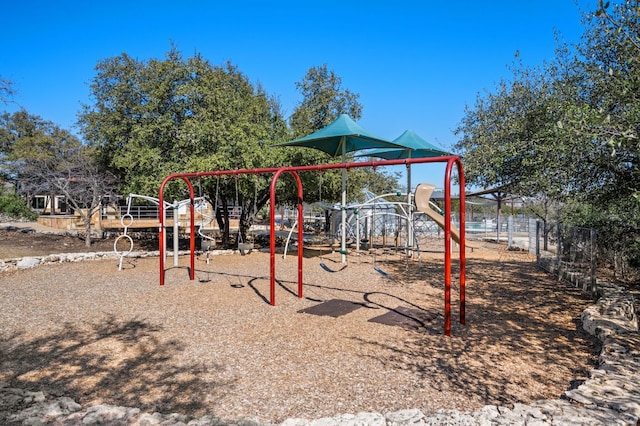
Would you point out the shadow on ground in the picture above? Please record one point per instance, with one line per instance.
(113, 362)
(536, 317)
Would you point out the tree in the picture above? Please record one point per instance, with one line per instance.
(153, 118)
(568, 131)
(323, 100)
(510, 139)
(158, 117)
(6, 90)
(76, 176)
(27, 139)
(607, 78)
(41, 158)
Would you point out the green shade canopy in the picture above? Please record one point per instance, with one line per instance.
(413, 146)
(341, 136)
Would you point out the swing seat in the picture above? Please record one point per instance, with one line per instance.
(207, 245)
(245, 248)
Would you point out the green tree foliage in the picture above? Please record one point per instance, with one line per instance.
(158, 117)
(568, 131)
(607, 78)
(323, 100)
(14, 206)
(608, 84)
(509, 141)
(27, 139)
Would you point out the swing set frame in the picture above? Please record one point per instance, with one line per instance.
(293, 170)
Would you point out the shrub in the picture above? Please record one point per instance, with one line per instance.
(15, 207)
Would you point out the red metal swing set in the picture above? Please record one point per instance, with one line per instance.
(278, 171)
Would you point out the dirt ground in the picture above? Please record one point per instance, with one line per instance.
(21, 241)
(215, 346)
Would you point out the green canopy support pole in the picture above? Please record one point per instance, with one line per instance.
(343, 207)
(409, 214)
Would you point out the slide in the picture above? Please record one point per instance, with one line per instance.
(422, 197)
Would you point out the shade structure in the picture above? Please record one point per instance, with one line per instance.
(343, 135)
(413, 146)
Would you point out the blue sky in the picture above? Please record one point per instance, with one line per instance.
(415, 64)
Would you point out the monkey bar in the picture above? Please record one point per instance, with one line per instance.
(278, 171)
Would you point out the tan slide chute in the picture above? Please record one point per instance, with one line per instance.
(422, 197)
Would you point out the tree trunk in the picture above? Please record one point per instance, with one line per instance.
(249, 210)
(87, 231)
(545, 239)
(222, 217)
(246, 220)
(53, 201)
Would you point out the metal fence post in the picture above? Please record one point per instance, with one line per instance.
(510, 232)
(594, 263)
(537, 246)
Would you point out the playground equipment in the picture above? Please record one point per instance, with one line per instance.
(378, 213)
(125, 225)
(294, 170)
(368, 220)
(127, 220)
(207, 240)
(424, 205)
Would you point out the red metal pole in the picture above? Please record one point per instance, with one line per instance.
(319, 167)
(192, 235)
(272, 233)
(161, 238)
(447, 249)
(463, 255)
(272, 238)
(300, 232)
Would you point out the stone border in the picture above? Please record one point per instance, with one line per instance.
(611, 395)
(33, 261)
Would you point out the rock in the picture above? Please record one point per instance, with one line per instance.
(52, 258)
(405, 418)
(296, 422)
(42, 410)
(27, 262)
(108, 414)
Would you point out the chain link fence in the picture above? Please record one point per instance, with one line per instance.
(570, 253)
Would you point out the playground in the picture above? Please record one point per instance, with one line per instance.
(429, 323)
(356, 341)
